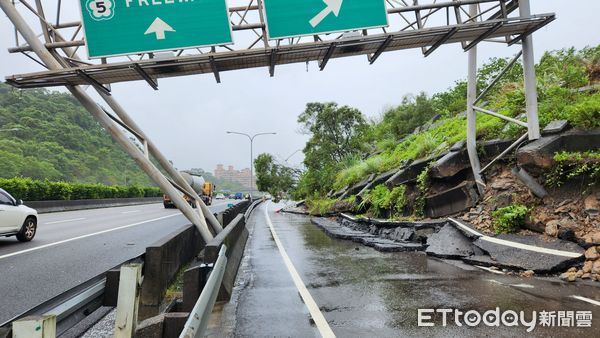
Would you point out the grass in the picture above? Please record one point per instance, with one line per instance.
(175, 290)
(582, 110)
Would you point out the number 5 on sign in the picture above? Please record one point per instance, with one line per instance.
(101, 9)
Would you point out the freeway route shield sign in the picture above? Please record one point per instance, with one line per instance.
(288, 18)
(121, 27)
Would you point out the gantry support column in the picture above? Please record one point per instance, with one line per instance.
(164, 162)
(204, 211)
(531, 98)
(471, 113)
(144, 162)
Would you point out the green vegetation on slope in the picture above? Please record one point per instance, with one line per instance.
(424, 126)
(59, 141)
(560, 74)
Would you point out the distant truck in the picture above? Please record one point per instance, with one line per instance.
(204, 189)
(238, 196)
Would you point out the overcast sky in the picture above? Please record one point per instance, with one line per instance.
(188, 117)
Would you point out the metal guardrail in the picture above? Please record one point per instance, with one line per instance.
(197, 322)
(74, 305)
(252, 207)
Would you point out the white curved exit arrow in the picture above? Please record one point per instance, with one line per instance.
(159, 28)
(333, 6)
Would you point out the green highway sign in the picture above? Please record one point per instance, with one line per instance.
(121, 27)
(288, 18)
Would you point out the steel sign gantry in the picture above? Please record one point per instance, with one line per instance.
(425, 24)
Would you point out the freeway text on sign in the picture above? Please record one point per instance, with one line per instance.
(288, 18)
(121, 27)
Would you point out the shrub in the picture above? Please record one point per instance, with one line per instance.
(318, 206)
(509, 219)
(422, 188)
(585, 114)
(398, 199)
(37, 190)
(381, 198)
(570, 165)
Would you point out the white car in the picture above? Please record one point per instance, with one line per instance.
(16, 219)
(220, 197)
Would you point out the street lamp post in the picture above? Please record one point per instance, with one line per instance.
(251, 138)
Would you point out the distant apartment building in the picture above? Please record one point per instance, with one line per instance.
(232, 175)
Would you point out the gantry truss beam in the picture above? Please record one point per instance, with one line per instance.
(426, 24)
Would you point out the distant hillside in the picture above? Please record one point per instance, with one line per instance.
(58, 140)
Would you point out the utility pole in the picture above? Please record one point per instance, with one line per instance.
(251, 138)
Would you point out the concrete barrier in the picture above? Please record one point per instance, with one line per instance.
(162, 262)
(44, 207)
(230, 214)
(234, 236)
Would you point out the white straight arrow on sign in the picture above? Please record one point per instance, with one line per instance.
(159, 28)
(333, 6)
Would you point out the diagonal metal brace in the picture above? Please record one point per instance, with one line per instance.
(381, 49)
(483, 36)
(92, 82)
(531, 30)
(272, 62)
(327, 56)
(215, 70)
(153, 83)
(441, 41)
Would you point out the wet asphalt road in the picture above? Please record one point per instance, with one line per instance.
(365, 293)
(28, 278)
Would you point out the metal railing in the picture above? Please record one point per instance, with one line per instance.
(197, 322)
(73, 305)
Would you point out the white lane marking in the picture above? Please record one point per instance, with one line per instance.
(65, 221)
(84, 236)
(516, 244)
(591, 301)
(522, 285)
(490, 270)
(312, 306)
(466, 228)
(526, 286)
(130, 212)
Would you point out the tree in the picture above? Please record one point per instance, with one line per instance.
(273, 177)
(57, 139)
(335, 133)
(412, 113)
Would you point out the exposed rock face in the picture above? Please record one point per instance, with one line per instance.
(552, 228)
(592, 205)
(592, 253)
(590, 269)
(592, 238)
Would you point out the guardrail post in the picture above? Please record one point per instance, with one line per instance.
(35, 327)
(128, 300)
(197, 322)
